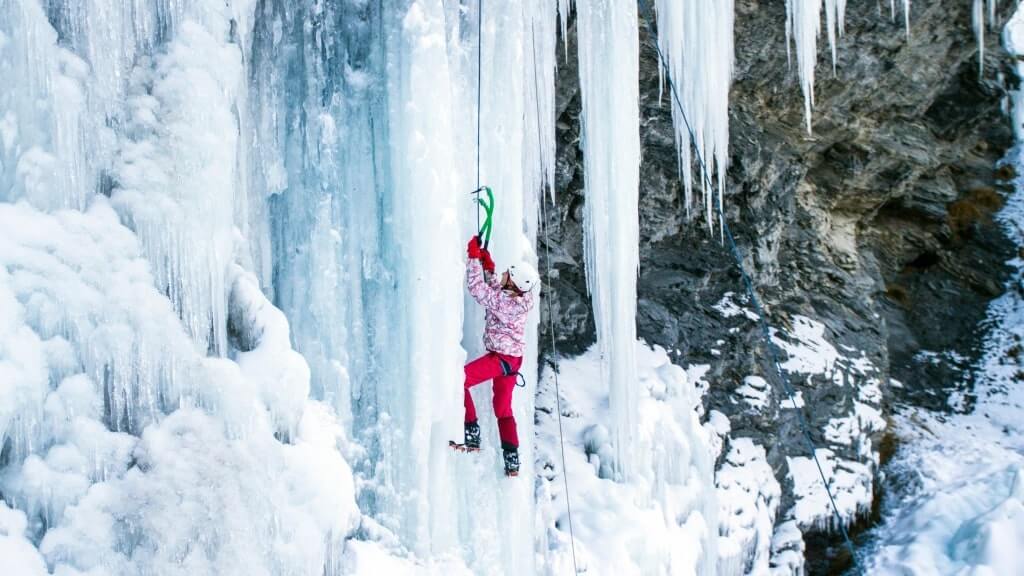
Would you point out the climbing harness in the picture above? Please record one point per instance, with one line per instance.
(551, 321)
(751, 293)
(506, 370)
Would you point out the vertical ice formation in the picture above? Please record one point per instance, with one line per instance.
(176, 175)
(96, 111)
(541, 19)
(609, 86)
(366, 118)
(803, 27)
(424, 412)
(46, 124)
(983, 14)
(697, 41)
(323, 151)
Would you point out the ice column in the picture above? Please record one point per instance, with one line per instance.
(609, 85)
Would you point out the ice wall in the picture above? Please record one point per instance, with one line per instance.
(205, 486)
(121, 438)
(609, 87)
(321, 154)
(367, 181)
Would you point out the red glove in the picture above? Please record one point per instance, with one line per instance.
(488, 263)
(473, 250)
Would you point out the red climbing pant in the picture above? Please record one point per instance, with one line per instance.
(488, 367)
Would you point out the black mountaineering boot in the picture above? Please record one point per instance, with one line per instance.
(511, 462)
(472, 437)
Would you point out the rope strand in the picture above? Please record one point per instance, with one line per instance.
(551, 321)
(479, 83)
(479, 87)
(751, 293)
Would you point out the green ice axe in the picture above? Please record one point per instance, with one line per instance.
(485, 231)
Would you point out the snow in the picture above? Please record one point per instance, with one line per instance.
(610, 134)
(787, 549)
(20, 556)
(806, 348)
(749, 495)
(661, 520)
(728, 308)
(849, 481)
(754, 392)
(962, 506)
(809, 353)
(232, 323)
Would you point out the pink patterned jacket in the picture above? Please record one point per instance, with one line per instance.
(505, 318)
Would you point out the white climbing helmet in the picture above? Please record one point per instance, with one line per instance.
(524, 276)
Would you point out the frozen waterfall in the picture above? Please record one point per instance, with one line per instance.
(232, 320)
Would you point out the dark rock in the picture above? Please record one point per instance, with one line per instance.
(879, 224)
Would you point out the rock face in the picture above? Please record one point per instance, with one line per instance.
(878, 225)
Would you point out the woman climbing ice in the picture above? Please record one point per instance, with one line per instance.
(507, 302)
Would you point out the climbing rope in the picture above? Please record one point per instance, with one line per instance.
(749, 286)
(551, 318)
(479, 85)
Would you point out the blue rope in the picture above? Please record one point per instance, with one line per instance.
(479, 84)
(751, 293)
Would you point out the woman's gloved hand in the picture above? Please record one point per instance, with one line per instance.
(485, 258)
(473, 250)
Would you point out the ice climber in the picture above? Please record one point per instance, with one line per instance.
(507, 301)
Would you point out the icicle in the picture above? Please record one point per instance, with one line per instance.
(906, 16)
(540, 17)
(696, 39)
(609, 85)
(564, 9)
(978, 21)
(830, 25)
(803, 19)
(979, 10)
